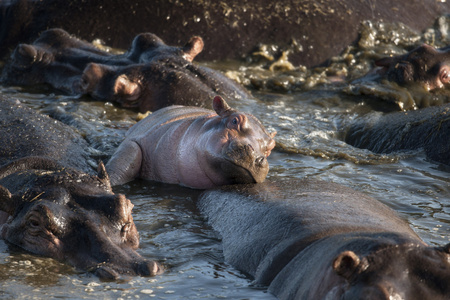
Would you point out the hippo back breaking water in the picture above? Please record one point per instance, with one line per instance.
(427, 128)
(57, 210)
(194, 147)
(308, 239)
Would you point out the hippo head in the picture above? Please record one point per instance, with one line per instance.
(160, 76)
(73, 217)
(408, 271)
(147, 47)
(239, 148)
(425, 65)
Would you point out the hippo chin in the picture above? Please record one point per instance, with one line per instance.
(194, 147)
(308, 239)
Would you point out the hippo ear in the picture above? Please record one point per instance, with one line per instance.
(221, 107)
(6, 201)
(103, 175)
(346, 263)
(124, 87)
(193, 48)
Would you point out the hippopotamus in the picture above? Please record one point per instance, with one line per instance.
(309, 239)
(426, 65)
(194, 147)
(149, 76)
(230, 28)
(427, 128)
(51, 207)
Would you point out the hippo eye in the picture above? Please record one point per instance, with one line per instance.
(33, 226)
(33, 223)
(235, 121)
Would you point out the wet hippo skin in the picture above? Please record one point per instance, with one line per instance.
(427, 128)
(425, 65)
(313, 31)
(54, 208)
(194, 147)
(308, 239)
(149, 76)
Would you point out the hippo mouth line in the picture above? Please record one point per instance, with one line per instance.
(246, 174)
(110, 271)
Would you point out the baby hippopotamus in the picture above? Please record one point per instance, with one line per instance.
(194, 147)
(308, 239)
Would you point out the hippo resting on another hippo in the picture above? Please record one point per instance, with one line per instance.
(149, 76)
(194, 147)
(317, 240)
(427, 128)
(53, 209)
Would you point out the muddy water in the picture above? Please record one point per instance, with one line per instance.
(307, 108)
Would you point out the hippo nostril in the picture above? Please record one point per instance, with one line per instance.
(149, 268)
(260, 160)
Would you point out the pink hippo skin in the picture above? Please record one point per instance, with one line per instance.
(194, 147)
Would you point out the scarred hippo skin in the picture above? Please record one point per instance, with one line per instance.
(427, 128)
(231, 28)
(425, 65)
(56, 210)
(149, 76)
(194, 147)
(308, 239)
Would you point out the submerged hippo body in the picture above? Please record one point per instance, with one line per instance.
(194, 147)
(54, 208)
(231, 28)
(27, 133)
(427, 128)
(149, 76)
(317, 240)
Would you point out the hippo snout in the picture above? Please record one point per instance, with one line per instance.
(143, 268)
(149, 268)
(260, 160)
(245, 164)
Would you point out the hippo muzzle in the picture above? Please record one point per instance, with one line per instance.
(243, 164)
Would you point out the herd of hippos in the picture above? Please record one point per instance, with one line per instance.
(313, 240)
